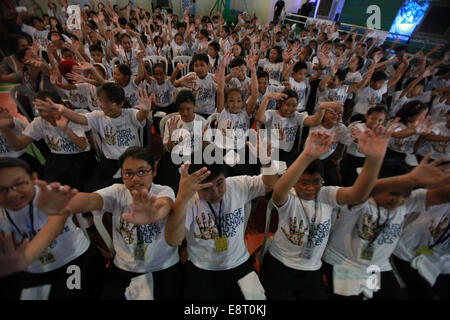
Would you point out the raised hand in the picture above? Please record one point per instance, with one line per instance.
(12, 260)
(317, 143)
(172, 125)
(424, 125)
(262, 150)
(145, 101)
(276, 95)
(83, 66)
(429, 174)
(281, 133)
(48, 105)
(191, 183)
(62, 123)
(53, 199)
(373, 143)
(323, 59)
(143, 210)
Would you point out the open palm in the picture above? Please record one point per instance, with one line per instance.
(53, 199)
(317, 143)
(144, 210)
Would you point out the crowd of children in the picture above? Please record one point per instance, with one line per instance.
(345, 137)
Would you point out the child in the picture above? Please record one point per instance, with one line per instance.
(354, 159)
(237, 78)
(140, 247)
(437, 141)
(367, 234)
(411, 126)
(29, 208)
(213, 56)
(291, 269)
(70, 161)
(116, 126)
(162, 89)
(97, 56)
(127, 55)
(180, 138)
(264, 89)
(425, 241)
(274, 64)
(287, 121)
(130, 83)
(209, 213)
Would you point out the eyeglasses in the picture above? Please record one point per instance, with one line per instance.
(20, 186)
(140, 174)
(316, 183)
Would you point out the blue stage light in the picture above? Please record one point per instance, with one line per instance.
(408, 17)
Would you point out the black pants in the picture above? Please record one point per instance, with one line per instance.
(70, 169)
(166, 283)
(202, 284)
(330, 172)
(284, 283)
(348, 167)
(102, 176)
(389, 287)
(418, 288)
(92, 269)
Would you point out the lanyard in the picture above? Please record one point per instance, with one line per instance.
(306, 213)
(130, 58)
(379, 228)
(217, 217)
(30, 213)
(444, 236)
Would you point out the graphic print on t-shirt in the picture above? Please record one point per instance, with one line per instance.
(110, 136)
(387, 235)
(296, 233)
(437, 231)
(145, 234)
(207, 227)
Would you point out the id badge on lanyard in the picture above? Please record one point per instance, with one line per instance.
(220, 241)
(139, 250)
(47, 257)
(368, 251)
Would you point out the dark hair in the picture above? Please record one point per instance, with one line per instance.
(15, 42)
(95, 48)
(342, 46)
(315, 167)
(299, 66)
(156, 38)
(341, 74)
(378, 75)
(377, 108)
(309, 51)
(21, 54)
(410, 109)
(200, 57)
(49, 36)
(237, 62)
(226, 29)
(242, 49)
(205, 33)
(114, 92)
(122, 21)
(123, 35)
(161, 65)
(7, 163)
(280, 53)
(184, 96)
(262, 74)
(216, 47)
(215, 169)
(179, 34)
(327, 42)
(44, 94)
(290, 94)
(360, 62)
(64, 49)
(392, 168)
(125, 70)
(137, 153)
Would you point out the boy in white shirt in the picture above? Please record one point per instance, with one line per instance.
(209, 213)
(291, 269)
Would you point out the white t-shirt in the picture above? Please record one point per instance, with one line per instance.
(403, 145)
(367, 97)
(272, 104)
(332, 94)
(240, 123)
(425, 230)
(273, 69)
(438, 148)
(129, 58)
(163, 93)
(439, 111)
(300, 88)
(42, 35)
(342, 136)
(117, 133)
(5, 149)
(191, 133)
(201, 248)
(177, 50)
(83, 97)
(69, 245)
(353, 77)
(353, 148)
(301, 237)
(241, 85)
(289, 125)
(117, 199)
(206, 95)
(129, 89)
(57, 141)
(355, 227)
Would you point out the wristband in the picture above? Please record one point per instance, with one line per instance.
(330, 74)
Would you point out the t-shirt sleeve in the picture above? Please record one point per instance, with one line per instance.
(269, 119)
(328, 195)
(191, 209)
(34, 130)
(134, 120)
(416, 201)
(251, 186)
(166, 192)
(300, 117)
(93, 120)
(110, 196)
